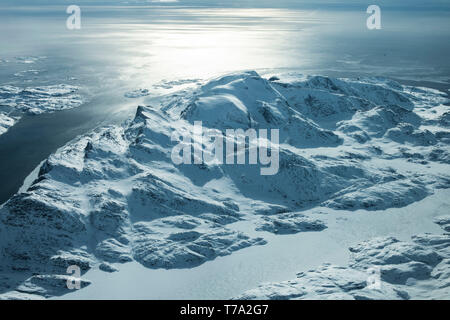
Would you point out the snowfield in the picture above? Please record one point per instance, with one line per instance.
(114, 196)
(418, 270)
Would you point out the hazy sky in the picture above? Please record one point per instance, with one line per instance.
(249, 3)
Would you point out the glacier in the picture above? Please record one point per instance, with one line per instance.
(113, 195)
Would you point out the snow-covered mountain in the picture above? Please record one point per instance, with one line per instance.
(114, 195)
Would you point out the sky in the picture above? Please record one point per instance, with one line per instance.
(247, 3)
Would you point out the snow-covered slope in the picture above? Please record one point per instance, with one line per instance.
(114, 195)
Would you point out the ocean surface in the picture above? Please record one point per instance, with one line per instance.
(121, 49)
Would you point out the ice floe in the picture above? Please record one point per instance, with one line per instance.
(137, 93)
